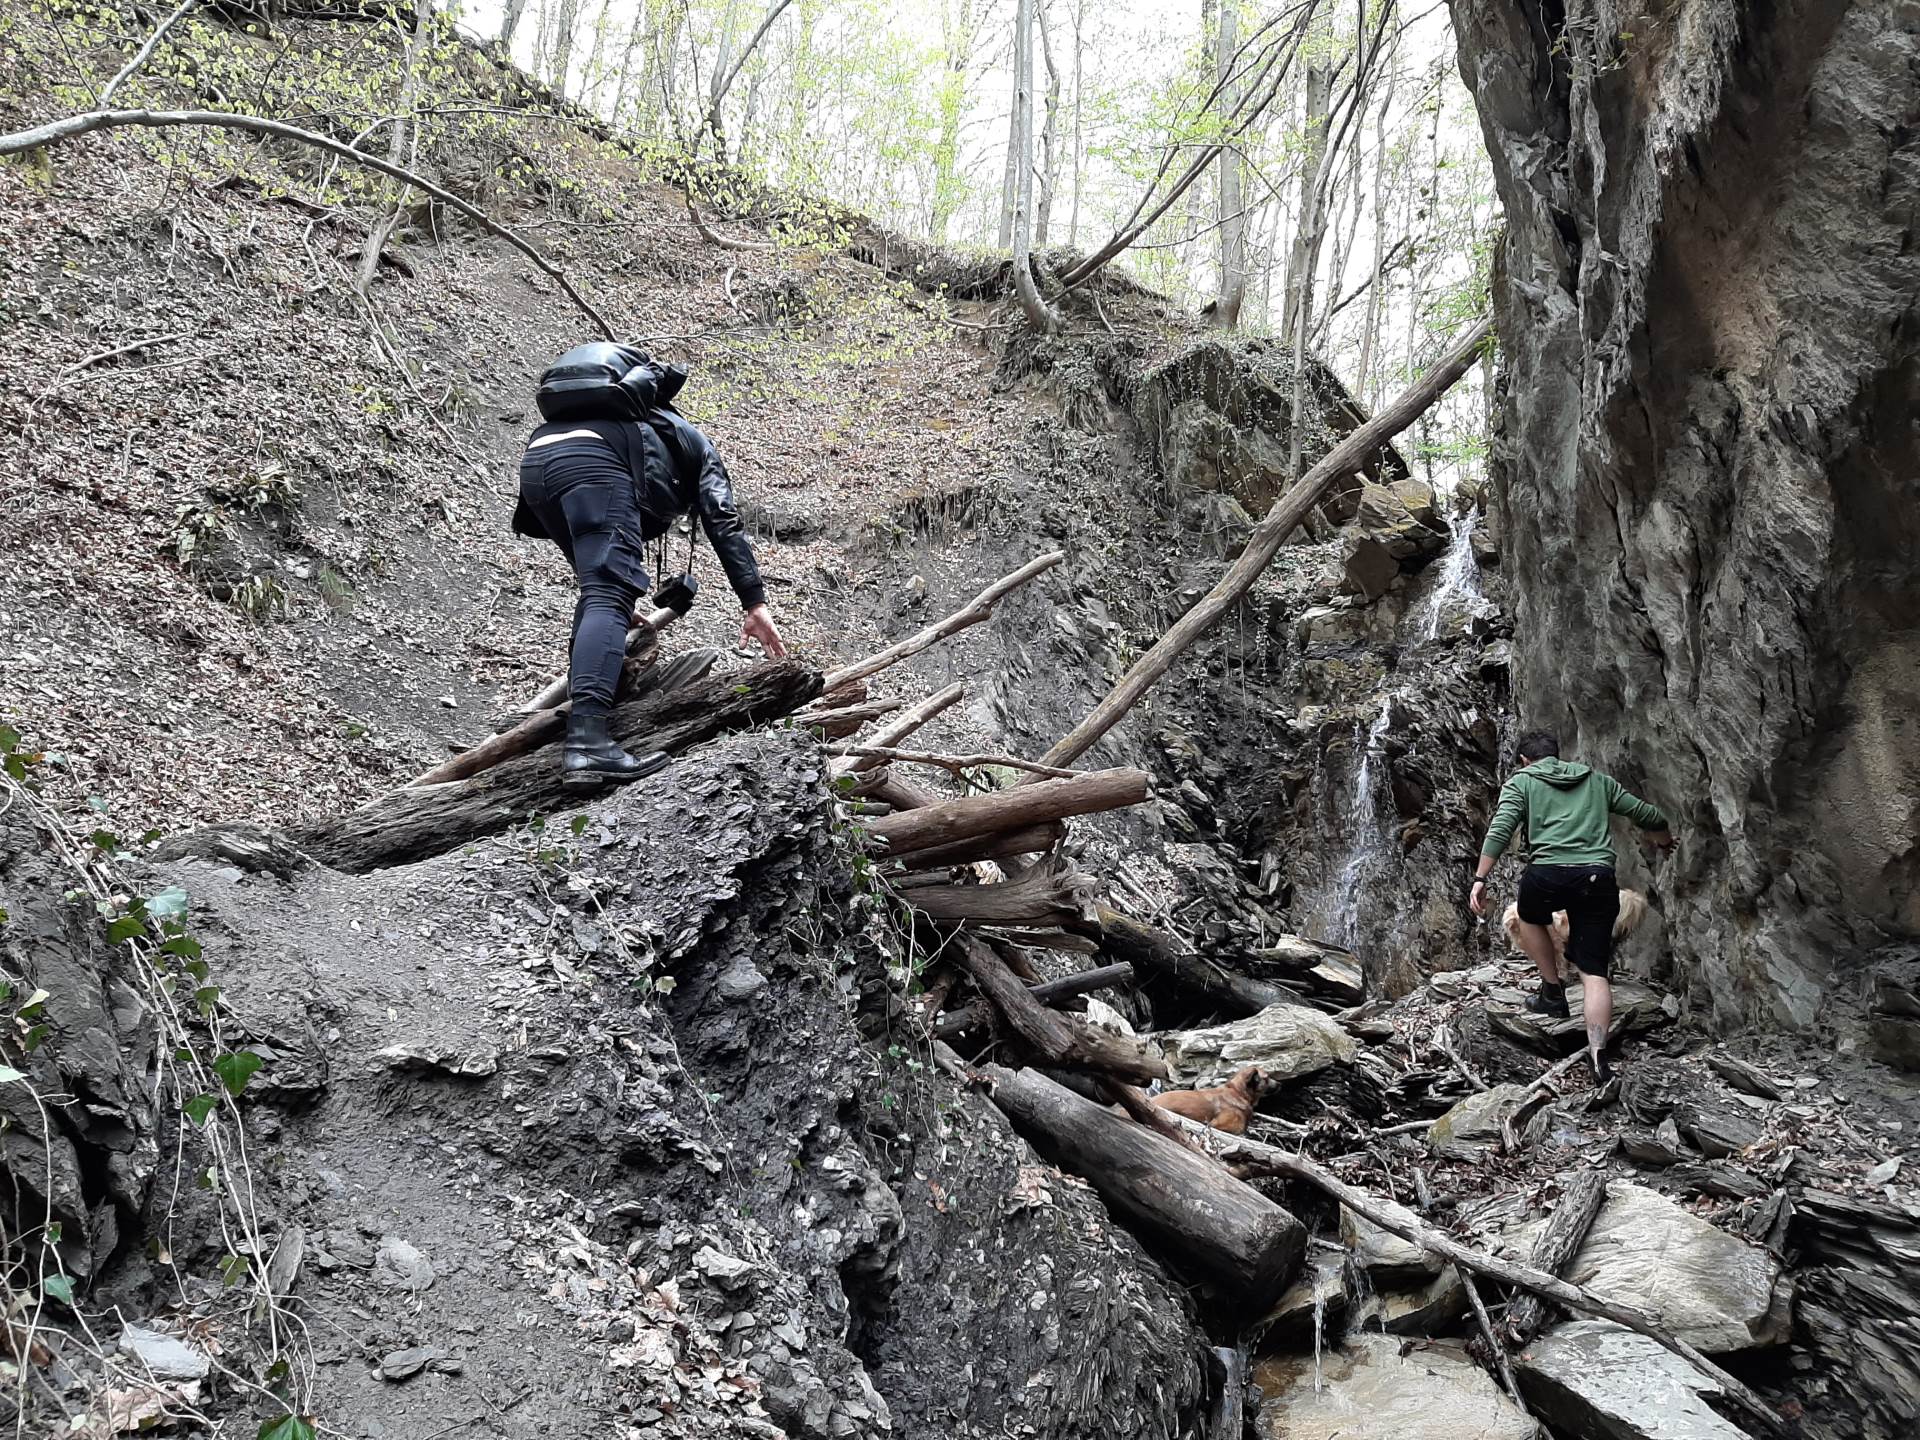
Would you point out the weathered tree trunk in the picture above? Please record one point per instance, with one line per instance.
(1220, 1229)
(948, 187)
(1015, 809)
(1050, 895)
(1556, 1247)
(1001, 845)
(414, 823)
(1039, 314)
(1156, 953)
(1232, 207)
(1048, 992)
(1049, 137)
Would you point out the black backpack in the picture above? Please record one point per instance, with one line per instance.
(603, 381)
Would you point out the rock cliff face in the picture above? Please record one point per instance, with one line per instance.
(1705, 459)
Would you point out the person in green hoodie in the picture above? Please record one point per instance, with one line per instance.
(1567, 812)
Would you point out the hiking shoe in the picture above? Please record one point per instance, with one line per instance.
(1550, 1000)
(1602, 1071)
(591, 757)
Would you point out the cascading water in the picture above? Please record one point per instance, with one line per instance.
(1364, 826)
(1458, 583)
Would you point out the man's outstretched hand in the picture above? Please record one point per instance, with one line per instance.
(757, 625)
(1663, 841)
(1477, 897)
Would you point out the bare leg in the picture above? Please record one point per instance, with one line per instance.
(1537, 941)
(1597, 1001)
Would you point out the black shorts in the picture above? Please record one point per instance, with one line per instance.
(1590, 896)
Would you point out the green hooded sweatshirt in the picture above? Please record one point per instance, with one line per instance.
(1566, 811)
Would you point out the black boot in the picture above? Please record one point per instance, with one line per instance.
(1602, 1071)
(591, 757)
(1551, 1000)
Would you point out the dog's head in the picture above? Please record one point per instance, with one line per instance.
(1252, 1082)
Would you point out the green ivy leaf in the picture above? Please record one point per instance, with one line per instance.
(201, 1106)
(183, 945)
(287, 1427)
(33, 1039)
(170, 903)
(104, 840)
(53, 1232)
(207, 997)
(579, 824)
(9, 739)
(126, 928)
(60, 1288)
(233, 1269)
(236, 1068)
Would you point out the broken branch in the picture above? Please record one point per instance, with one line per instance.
(972, 613)
(954, 763)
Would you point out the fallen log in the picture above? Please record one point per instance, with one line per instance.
(419, 821)
(972, 613)
(953, 763)
(997, 846)
(1255, 1157)
(1556, 1247)
(1065, 940)
(846, 721)
(1265, 540)
(646, 630)
(1049, 1037)
(898, 791)
(1217, 1227)
(1047, 895)
(903, 725)
(640, 676)
(1013, 809)
(1046, 993)
(1154, 952)
(854, 692)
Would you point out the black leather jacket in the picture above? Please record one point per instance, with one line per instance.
(675, 469)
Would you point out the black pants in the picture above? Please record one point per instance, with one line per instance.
(1591, 898)
(583, 497)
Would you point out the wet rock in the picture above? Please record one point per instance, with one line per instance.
(1322, 1289)
(1716, 1292)
(1382, 1256)
(1473, 1127)
(1422, 1311)
(1369, 1390)
(1285, 1041)
(1597, 1379)
(1486, 549)
(163, 1356)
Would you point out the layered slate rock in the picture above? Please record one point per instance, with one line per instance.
(1602, 1381)
(1710, 1289)
(1285, 1041)
(1703, 462)
(1473, 1127)
(1369, 1390)
(1382, 1256)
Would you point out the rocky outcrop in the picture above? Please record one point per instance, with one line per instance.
(1284, 1041)
(1704, 465)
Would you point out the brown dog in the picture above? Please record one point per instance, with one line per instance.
(1633, 910)
(1225, 1107)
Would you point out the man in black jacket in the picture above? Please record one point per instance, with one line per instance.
(600, 490)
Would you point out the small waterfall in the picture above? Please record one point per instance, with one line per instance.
(1458, 582)
(1368, 836)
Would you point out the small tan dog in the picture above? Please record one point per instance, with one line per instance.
(1225, 1107)
(1633, 910)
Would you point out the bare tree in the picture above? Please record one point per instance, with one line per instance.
(724, 74)
(1079, 154)
(1305, 255)
(1232, 219)
(397, 147)
(510, 22)
(1049, 136)
(960, 32)
(1267, 62)
(1039, 313)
